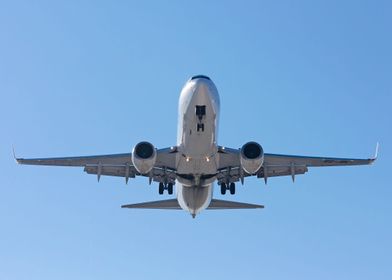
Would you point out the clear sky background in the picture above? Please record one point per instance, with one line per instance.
(96, 77)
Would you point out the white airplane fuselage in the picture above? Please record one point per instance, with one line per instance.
(197, 158)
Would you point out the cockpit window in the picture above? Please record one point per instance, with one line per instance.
(200, 77)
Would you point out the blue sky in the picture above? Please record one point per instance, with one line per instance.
(96, 77)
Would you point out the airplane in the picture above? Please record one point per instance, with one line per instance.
(197, 161)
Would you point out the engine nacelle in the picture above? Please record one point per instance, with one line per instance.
(144, 156)
(252, 157)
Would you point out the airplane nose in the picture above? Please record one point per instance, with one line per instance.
(202, 88)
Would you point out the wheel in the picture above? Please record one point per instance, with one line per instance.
(232, 188)
(223, 188)
(170, 188)
(161, 188)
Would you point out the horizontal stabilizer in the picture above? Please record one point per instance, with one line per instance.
(170, 204)
(217, 204)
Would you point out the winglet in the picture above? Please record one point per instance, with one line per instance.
(376, 152)
(373, 159)
(13, 153)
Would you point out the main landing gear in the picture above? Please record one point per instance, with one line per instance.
(162, 187)
(230, 187)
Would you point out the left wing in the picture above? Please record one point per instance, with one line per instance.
(278, 165)
(114, 165)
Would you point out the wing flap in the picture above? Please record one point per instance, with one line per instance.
(274, 171)
(157, 174)
(111, 170)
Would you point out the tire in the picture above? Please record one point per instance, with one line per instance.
(161, 188)
(223, 188)
(170, 188)
(232, 188)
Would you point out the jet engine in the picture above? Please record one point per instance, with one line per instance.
(144, 156)
(251, 157)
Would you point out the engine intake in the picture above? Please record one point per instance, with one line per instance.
(252, 157)
(144, 156)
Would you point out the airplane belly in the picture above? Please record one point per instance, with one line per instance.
(197, 160)
(197, 134)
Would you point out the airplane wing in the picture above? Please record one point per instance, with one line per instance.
(114, 165)
(278, 165)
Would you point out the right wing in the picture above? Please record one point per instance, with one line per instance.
(115, 165)
(274, 165)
